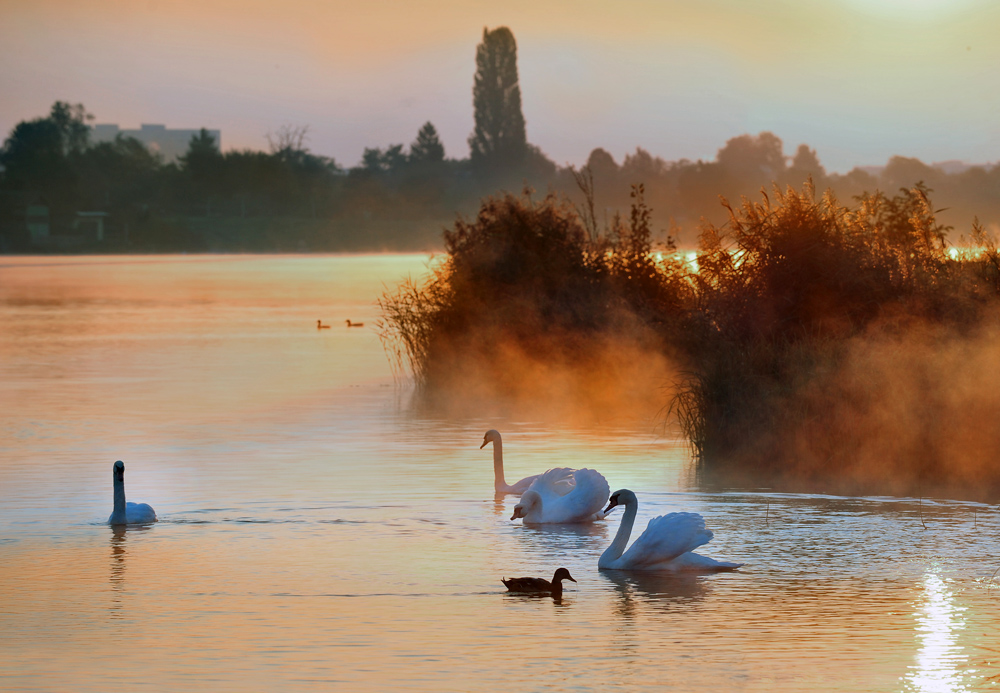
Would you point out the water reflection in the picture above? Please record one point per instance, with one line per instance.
(117, 578)
(563, 539)
(560, 602)
(119, 562)
(664, 591)
(940, 660)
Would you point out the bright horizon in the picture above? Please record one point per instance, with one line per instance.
(857, 81)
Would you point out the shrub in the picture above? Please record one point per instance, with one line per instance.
(524, 288)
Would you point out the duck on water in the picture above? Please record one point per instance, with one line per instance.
(534, 585)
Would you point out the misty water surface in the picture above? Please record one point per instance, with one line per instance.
(317, 534)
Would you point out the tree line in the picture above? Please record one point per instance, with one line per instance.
(397, 196)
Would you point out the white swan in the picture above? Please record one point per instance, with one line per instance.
(500, 486)
(667, 543)
(127, 513)
(563, 496)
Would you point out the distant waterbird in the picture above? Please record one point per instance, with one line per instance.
(533, 585)
(354, 324)
(127, 513)
(321, 326)
(667, 544)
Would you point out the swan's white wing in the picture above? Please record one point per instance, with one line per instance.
(695, 561)
(582, 504)
(552, 484)
(139, 513)
(666, 537)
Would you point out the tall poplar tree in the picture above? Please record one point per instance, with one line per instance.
(498, 140)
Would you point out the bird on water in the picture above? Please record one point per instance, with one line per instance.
(127, 513)
(533, 585)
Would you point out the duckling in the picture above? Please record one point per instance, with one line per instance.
(321, 326)
(533, 585)
(354, 324)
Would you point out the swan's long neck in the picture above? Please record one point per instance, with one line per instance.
(499, 482)
(617, 548)
(118, 513)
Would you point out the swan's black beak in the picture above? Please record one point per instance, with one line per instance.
(518, 512)
(570, 577)
(484, 444)
(612, 504)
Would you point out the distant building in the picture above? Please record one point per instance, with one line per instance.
(170, 144)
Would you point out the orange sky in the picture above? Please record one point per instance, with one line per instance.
(859, 80)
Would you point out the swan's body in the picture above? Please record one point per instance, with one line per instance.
(563, 496)
(500, 485)
(667, 544)
(321, 326)
(533, 585)
(354, 324)
(127, 513)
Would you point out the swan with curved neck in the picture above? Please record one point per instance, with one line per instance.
(500, 485)
(127, 513)
(667, 543)
(563, 496)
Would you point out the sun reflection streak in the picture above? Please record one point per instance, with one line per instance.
(940, 660)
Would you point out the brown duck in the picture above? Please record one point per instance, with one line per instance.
(533, 585)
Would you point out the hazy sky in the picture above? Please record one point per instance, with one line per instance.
(859, 80)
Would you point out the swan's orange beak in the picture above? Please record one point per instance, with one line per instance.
(484, 444)
(518, 512)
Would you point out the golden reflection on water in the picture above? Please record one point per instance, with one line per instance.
(316, 535)
(118, 555)
(940, 659)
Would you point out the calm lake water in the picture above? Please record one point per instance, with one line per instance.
(317, 534)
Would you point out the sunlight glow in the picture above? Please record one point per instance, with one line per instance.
(940, 660)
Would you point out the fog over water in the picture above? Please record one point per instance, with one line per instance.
(317, 531)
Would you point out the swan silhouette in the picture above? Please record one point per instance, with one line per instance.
(563, 496)
(500, 486)
(354, 324)
(127, 513)
(533, 585)
(321, 326)
(666, 544)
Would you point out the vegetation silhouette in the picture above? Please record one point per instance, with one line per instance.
(290, 199)
(524, 288)
(498, 142)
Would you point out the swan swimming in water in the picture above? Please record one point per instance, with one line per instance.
(563, 496)
(500, 485)
(667, 543)
(533, 585)
(354, 324)
(127, 513)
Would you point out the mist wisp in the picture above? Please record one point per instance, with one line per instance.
(840, 348)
